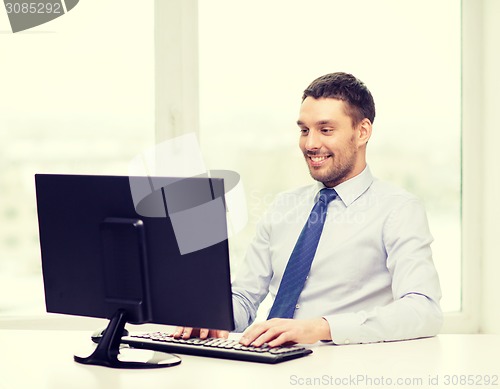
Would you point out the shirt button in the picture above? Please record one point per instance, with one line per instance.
(297, 306)
(347, 341)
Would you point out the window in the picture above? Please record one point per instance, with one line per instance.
(77, 96)
(256, 58)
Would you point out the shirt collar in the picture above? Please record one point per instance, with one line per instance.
(350, 190)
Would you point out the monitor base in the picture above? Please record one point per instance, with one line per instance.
(109, 354)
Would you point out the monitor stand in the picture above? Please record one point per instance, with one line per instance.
(109, 354)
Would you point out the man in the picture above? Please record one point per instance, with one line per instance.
(372, 277)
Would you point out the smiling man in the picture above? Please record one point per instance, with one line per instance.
(346, 259)
(333, 143)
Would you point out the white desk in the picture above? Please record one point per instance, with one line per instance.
(44, 359)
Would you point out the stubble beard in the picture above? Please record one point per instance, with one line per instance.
(338, 170)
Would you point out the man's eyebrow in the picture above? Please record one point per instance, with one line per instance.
(318, 123)
(325, 122)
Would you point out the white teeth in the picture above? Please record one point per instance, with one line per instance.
(318, 159)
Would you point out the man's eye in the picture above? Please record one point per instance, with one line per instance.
(304, 131)
(326, 130)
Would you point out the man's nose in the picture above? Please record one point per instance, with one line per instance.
(313, 141)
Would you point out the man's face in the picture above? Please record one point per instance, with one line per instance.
(334, 150)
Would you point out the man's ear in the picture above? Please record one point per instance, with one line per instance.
(365, 131)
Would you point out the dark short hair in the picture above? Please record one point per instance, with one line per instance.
(347, 88)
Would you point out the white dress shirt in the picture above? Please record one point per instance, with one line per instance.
(372, 278)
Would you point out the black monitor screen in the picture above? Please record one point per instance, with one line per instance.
(154, 248)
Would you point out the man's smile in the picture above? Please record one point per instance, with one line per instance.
(317, 160)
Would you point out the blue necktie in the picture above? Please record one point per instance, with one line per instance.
(300, 261)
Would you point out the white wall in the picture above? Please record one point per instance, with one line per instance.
(490, 309)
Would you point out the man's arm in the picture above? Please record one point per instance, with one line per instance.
(413, 316)
(415, 310)
(251, 284)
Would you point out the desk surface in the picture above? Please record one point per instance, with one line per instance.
(44, 359)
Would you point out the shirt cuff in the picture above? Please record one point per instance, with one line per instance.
(345, 328)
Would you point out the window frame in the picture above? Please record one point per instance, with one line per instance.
(467, 320)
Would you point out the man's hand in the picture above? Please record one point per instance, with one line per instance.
(202, 333)
(276, 332)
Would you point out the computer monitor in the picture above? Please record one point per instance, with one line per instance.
(137, 250)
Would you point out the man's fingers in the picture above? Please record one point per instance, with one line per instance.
(178, 332)
(202, 333)
(271, 334)
(183, 332)
(252, 334)
(219, 334)
(274, 332)
(283, 338)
